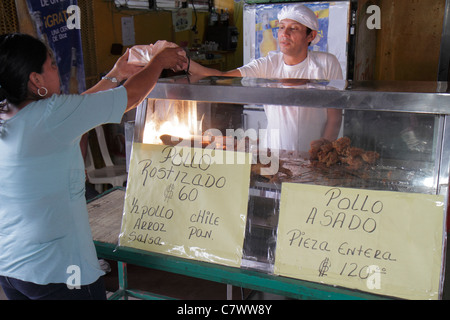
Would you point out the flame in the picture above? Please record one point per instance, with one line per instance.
(155, 127)
(173, 128)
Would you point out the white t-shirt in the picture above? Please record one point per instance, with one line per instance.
(296, 127)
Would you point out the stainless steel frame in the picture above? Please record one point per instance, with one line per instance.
(407, 96)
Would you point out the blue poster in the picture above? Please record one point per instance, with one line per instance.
(59, 28)
(267, 27)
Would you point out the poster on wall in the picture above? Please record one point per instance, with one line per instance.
(58, 25)
(261, 29)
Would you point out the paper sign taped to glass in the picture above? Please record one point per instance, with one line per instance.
(385, 243)
(187, 202)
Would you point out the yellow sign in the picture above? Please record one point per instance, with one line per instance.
(187, 202)
(386, 243)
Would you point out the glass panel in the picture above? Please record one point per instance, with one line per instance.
(405, 145)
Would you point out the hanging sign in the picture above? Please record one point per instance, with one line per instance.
(187, 202)
(182, 19)
(386, 243)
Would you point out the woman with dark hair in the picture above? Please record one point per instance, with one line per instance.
(46, 247)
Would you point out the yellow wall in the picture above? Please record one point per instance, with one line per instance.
(149, 27)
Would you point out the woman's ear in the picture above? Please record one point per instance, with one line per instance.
(36, 80)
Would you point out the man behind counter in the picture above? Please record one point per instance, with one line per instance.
(297, 127)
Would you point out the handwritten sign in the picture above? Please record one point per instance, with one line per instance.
(386, 243)
(187, 202)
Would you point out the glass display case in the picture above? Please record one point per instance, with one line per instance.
(403, 125)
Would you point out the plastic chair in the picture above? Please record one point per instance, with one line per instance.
(115, 175)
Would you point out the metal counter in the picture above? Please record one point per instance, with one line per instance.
(377, 110)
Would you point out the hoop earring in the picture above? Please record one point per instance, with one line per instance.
(42, 94)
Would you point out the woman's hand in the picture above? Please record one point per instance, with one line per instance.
(122, 70)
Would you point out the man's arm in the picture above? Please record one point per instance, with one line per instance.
(333, 124)
(199, 70)
(334, 116)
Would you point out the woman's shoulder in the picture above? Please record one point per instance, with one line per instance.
(68, 101)
(79, 113)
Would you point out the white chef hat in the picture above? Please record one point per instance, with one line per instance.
(303, 15)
